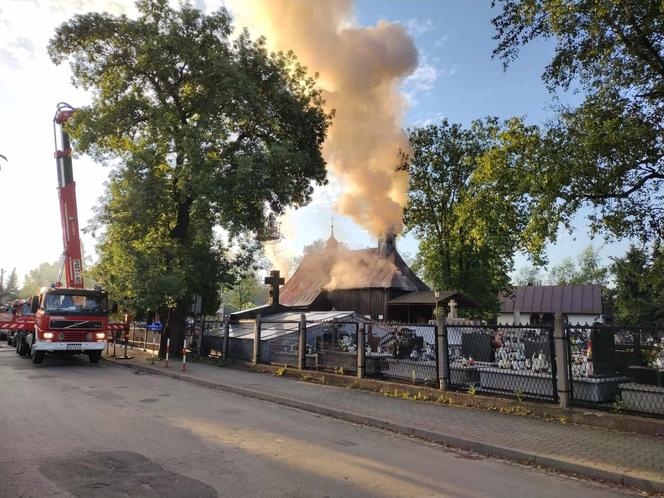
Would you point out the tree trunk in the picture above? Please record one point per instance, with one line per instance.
(175, 330)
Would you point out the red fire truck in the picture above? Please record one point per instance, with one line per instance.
(69, 319)
(17, 319)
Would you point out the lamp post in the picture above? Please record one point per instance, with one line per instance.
(436, 294)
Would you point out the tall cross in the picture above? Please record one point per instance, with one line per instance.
(274, 281)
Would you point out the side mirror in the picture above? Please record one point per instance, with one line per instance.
(34, 304)
(114, 308)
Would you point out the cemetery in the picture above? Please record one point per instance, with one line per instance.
(502, 359)
(608, 367)
(618, 366)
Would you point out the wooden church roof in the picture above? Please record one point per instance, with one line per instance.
(380, 267)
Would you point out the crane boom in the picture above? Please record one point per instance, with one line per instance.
(71, 241)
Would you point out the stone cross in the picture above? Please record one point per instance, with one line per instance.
(453, 313)
(274, 281)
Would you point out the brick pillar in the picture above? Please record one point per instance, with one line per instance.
(562, 361)
(443, 352)
(257, 340)
(302, 344)
(361, 340)
(227, 328)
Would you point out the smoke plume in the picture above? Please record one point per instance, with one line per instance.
(360, 69)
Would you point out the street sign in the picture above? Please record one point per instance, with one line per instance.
(155, 326)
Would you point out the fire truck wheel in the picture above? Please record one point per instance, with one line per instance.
(95, 356)
(38, 357)
(22, 347)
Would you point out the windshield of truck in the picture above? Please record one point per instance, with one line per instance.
(73, 303)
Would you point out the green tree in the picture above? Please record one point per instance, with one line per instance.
(639, 287)
(590, 270)
(42, 276)
(11, 286)
(528, 275)
(465, 242)
(248, 292)
(607, 153)
(211, 131)
(586, 270)
(564, 273)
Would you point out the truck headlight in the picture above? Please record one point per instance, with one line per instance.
(48, 335)
(101, 335)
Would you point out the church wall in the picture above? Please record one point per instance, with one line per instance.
(372, 302)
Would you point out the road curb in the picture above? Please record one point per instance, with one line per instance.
(646, 484)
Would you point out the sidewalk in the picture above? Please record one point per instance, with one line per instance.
(628, 459)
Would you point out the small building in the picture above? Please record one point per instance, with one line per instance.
(538, 304)
(420, 306)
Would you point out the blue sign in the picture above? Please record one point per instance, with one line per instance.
(155, 326)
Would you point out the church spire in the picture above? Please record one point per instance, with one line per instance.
(331, 242)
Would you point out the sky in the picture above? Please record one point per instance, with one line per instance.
(456, 78)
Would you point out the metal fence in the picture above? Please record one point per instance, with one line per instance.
(330, 344)
(280, 342)
(333, 346)
(513, 360)
(617, 368)
(142, 338)
(402, 352)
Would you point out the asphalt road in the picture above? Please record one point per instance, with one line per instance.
(68, 428)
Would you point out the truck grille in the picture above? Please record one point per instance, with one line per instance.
(74, 336)
(76, 324)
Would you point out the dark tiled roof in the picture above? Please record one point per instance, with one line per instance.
(369, 270)
(584, 299)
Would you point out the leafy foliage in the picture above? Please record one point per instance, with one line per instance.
(467, 239)
(607, 153)
(11, 285)
(639, 287)
(586, 270)
(42, 276)
(248, 292)
(210, 132)
(529, 275)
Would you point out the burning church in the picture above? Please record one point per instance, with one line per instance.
(371, 282)
(363, 280)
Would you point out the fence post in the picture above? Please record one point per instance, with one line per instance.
(257, 340)
(562, 360)
(227, 328)
(302, 343)
(442, 351)
(361, 349)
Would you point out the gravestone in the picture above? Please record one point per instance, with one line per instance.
(603, 352)
(535, 347)
(477, 346)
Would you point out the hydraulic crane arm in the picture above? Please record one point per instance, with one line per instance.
(71, 241)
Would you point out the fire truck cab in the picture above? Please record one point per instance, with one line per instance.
(70, 321)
